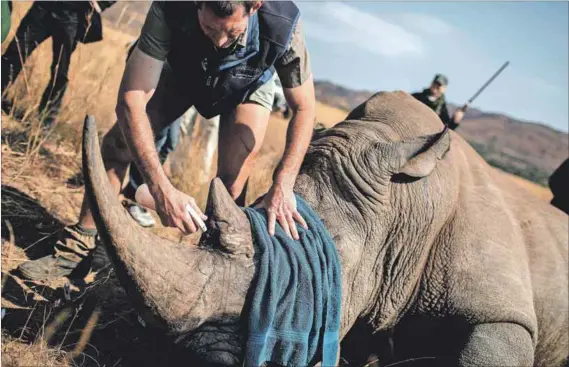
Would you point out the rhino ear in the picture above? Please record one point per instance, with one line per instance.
(418, 158)
(228, 226)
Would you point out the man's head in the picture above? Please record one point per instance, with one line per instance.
(224, 21)
(438, 86)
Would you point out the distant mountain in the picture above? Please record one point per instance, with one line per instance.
(527, 149)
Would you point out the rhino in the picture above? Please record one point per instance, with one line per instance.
(457, 260)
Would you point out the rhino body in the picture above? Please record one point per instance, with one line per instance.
(457, 261)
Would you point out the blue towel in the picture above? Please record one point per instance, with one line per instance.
(294, 317)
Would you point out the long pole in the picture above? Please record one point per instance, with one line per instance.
(487, 83)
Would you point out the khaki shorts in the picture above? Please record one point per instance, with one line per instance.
(265, 94)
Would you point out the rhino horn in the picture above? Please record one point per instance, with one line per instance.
(148, 267)
(228, 221)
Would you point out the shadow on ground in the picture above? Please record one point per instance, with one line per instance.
(62, 320)
(60, 311)
(28, 222)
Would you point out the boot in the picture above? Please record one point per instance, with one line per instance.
(74, 245)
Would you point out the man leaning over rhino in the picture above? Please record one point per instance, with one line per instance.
(229, 52)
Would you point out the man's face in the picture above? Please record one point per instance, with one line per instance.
(222, 31)
(437, 90)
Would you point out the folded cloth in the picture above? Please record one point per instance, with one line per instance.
(294, 316)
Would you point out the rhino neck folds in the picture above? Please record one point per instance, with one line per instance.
(217, 342)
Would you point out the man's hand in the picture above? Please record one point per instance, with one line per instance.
(280, 205)
(171, 208)
(459, 114)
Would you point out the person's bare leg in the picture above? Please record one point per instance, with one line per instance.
(241, 136)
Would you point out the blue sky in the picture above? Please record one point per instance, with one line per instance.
(401, 45)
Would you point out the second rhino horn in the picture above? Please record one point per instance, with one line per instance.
(228, 221)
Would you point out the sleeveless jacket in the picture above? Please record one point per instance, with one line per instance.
(220, 80)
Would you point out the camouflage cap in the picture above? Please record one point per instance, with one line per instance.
(440, 79)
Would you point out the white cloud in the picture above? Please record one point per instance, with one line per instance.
(341, 23)
(426, 24)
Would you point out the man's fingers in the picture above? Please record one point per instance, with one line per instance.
(196, 209)
(296, 215)
(271, 222)
(199, 211)
(284, 223)
(190, 226)
(292, 226)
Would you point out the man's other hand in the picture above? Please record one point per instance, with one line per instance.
(280, 204)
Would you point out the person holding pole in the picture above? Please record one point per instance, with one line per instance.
(434, 98)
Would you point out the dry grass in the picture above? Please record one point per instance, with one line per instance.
(17, 354)
(538, 190)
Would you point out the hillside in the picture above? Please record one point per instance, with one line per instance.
(527, 149)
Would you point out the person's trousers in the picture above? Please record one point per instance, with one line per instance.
(38, 25)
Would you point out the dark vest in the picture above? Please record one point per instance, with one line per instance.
(436, 105)
(219, 81)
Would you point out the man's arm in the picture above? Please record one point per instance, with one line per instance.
(139, 82)
(445, 117)
(280, 202)
(294, 72)
(459, 114)
(299, 132)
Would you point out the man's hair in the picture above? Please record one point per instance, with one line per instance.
(224, 9)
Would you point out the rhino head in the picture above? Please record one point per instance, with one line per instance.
(194, 293)
(379, 168)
